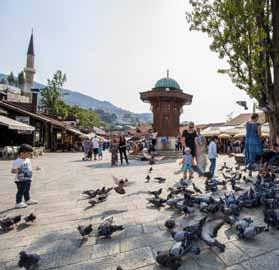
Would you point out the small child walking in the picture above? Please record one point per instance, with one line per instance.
(188, 163)
(23, 170)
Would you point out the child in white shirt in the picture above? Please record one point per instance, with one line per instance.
(23, 170)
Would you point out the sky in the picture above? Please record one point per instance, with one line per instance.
(113, 50)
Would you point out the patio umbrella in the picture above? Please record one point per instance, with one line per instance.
(239, 135)
(224, 136)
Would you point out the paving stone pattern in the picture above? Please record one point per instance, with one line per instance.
(58, 186)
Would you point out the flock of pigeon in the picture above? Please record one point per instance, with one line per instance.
(217, 211)
(184, 197)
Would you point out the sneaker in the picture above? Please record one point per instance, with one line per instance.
(21, 205)
(30, 202)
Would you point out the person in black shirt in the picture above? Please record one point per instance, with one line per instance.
(189, 136)
(122, 149)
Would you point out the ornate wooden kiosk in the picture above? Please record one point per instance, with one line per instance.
(167, 100)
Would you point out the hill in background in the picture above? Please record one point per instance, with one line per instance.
(76, 98)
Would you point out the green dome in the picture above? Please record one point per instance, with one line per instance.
(167, 83)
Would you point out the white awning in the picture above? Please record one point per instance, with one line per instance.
(13, 124)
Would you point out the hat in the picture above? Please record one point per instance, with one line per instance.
(188, 149)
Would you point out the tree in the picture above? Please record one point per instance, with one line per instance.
(52, 95)
(11, 79)
(87, 118)
(20, 80)
(245, 33)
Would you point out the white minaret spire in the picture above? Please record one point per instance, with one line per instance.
(29, 70)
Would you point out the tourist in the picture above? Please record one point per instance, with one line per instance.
(148, 141)
(187, 163)
(189, 136)
(95, 143)
(23, 170)
(212, 155)
(253, 144)
(122, 149)
(200, 144)
(87, 149)
(100, 150)
(114, 146)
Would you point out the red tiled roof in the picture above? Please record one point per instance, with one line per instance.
(245, 117)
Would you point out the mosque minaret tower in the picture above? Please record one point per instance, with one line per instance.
(29, 70)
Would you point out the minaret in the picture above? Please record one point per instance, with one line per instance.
(29, 70)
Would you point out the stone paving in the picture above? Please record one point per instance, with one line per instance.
(54, 236)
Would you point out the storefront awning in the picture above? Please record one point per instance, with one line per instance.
(13, 124)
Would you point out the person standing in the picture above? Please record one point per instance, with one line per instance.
(114, 146)
(95, 143)
(23, 170)
(189, 136)
(100, 150)
(212, 155)
(253, 144)
(200, 145)
(122, 149)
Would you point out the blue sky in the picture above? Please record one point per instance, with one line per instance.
(112, 50)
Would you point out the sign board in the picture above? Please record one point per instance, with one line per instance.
(23, 119)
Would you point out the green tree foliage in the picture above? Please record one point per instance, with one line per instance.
(244, 33)
(87, 118)
(52, 95)
(11, 79)
(20, 80)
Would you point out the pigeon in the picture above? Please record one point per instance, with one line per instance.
(243, 104)
(251, 232)
(196, 189)
(161, 180)
(209, 232)
(92, 202)
(147, 179)
(156, 193)
(8, 223)
(179, 249)
(164, 259)
(170, 224)
(122, 182)
(28, 261)
(119, 190)
(91, 193)
(150, 169)
(102, 198)
(120, 185)
(229, 170)
(224, 167)
(119, 267)
(157, 202)
(30, 218)
(105, 230)
(236, 188)
(247, 180)
(85, 230)
(226, 177)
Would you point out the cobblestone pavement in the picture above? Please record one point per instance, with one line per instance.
(58, 187)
